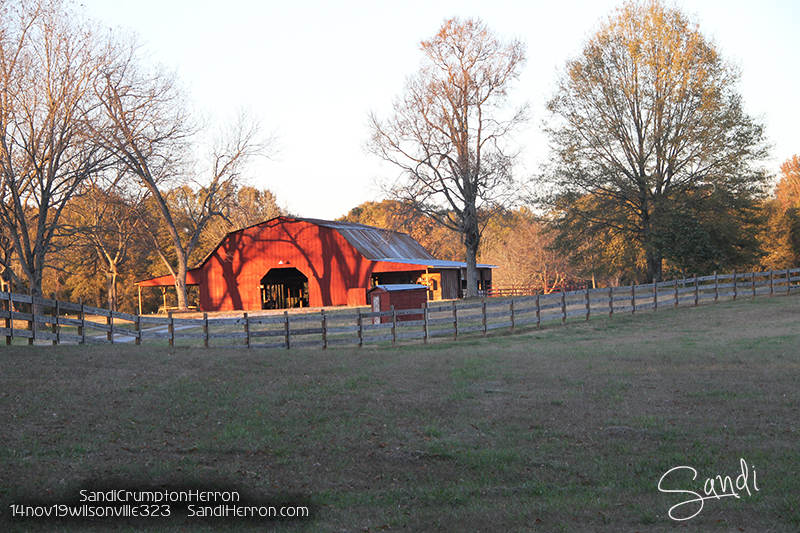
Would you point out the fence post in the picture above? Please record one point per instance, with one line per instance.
(753, 279)
(287, 330)
(324, 331)
(56, 329)
(7, 306)
(360, 330)
(455, 321)
(677, 295)
(771, 283)
(394, 325)
(788, 281)
(513, 318)
(483, 320)
(610, 300)
(247, 330)
(563, 307)
(138, 339)
(171, 328)
(735, 292)
(655, 296)
(110, 324)
(696, 290)
(32, 323)
(206, 336)
(425, 323)
(588, 304)
(716, 287)
(82, 327)
(633, 299)
(538, 312)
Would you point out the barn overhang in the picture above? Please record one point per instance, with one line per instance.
(444, 279)
(192, 278)
(390, 264)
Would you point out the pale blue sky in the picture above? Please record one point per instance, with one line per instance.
(313, 70)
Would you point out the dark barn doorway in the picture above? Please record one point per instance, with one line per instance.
(284, 288)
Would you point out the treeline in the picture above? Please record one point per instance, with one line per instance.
(516, 241)
(107, 242)
(545, 251)
(108, 173)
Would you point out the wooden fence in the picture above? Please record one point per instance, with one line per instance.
(43, 321)
(513, 291)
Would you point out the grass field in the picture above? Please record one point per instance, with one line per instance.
(567, 428)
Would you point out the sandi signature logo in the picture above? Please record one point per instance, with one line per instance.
(714, 488)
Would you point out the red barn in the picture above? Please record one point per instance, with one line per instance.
(295, 262)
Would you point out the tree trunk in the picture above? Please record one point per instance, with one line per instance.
(472, 272)
(180, 285)
(652, 257)
(654, 264)
(111, 280)
(471, 231)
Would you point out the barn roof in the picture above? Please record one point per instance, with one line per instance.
(376, 244)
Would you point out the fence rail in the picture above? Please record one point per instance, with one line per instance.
(45, 321)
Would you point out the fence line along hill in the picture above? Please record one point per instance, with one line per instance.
(40, 321)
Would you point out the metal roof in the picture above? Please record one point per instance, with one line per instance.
(377, 244)
(433, 263)
(399, 287)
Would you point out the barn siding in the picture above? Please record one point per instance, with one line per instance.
(232, 275)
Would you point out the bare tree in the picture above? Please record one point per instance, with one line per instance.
(450, 129)
(49, 61)
(101, 222)
(521, 247)
(152, 135)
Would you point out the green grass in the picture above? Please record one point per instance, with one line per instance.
(567, 428)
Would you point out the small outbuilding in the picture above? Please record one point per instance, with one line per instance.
(407, 296)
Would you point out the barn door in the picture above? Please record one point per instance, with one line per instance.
(284, 288)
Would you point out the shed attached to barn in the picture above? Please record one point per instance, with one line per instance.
(297, 262)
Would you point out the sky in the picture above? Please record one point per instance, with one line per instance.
(313, 70)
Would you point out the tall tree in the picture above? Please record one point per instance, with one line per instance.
(152, 134)
(648, 124)
(49, 60)
(450, 130)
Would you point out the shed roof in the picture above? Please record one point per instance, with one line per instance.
(400, 287)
